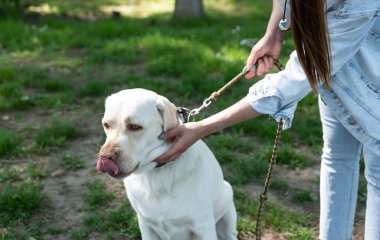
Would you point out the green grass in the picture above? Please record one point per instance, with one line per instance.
(20, 203)
(36, 172)
(13, 96)
(9, 143)
(32, 76)
(10, 175)
(57, 134)
(55, 85)
(229, 142)
(97, 194)
(117, 51)
(279, 185)
(16, 235)
(289, 157)
(70, 162)
(245, 170)
(242, 165)
(304, 195)
(362, 190)
(281, 220)
(226, 149)
(81, 234)
(93, 88)
(57, 101)
(7, 73)
(123, 219)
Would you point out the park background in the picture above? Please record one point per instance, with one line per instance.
(58, 62)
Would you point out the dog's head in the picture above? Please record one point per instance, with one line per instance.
(132, 121)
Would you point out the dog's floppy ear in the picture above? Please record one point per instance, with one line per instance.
(168, 112)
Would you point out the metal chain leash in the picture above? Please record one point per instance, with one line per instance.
(186, 114)
(263, 195)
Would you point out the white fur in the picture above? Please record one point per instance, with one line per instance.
(185, 199)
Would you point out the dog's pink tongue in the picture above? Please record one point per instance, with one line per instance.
(107, 165)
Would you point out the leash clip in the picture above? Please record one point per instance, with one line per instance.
(196, 111)
(206, 102)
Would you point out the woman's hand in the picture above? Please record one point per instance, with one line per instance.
(269, 47)
(263, 54)
(183, 137)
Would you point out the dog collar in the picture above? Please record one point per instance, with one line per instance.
(183, 114)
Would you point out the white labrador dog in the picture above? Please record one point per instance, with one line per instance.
(184, 199)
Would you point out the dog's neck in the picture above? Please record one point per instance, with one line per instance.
(164, 178)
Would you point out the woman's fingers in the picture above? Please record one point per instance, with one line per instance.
(252, 59)
(169, 135)
(260, 67)
(252, 72)
(271, 62)
(179, 146)
(264, 65)
(169, 155)
(251, 63)
(174, 135)
(267, 64)
(182, 137)
(174, 157)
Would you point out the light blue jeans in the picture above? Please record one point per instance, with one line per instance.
(339, 182)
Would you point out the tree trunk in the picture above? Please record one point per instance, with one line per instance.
(188, 9)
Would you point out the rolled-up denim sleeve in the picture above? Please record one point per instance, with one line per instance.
(278, 94)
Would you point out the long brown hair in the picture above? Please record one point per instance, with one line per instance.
(309, 29)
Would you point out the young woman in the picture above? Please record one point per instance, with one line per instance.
(337, 55)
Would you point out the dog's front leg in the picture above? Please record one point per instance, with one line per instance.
(147, 233)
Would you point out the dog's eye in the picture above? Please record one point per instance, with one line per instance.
(134, 127)
(106, 126)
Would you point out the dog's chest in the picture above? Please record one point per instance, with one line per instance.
(178, 228)
(163, 207)
(167, 216)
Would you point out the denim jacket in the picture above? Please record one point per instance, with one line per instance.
(354, 95)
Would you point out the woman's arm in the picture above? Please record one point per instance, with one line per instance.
(272, 28)
(269, 46)
(187, 134)
(277, 95)
(238, 112)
